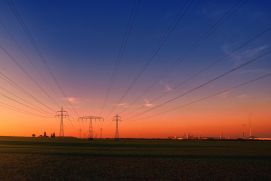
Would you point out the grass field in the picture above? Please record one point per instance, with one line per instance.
(79, 159)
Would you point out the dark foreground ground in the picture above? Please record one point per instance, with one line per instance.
(71, 159)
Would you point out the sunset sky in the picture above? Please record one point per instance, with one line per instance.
(151, 62)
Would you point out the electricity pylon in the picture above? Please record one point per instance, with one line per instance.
(101, 129)
(101, 132)
(250, 128)
(80, 132)
(91, 119)
(61, 114)
(117, 118)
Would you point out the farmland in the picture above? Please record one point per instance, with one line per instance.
(127, 159)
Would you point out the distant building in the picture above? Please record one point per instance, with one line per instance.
(53, 135)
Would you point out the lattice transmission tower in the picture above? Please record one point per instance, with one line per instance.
(90, 127)
(117, 119)
(61, 114)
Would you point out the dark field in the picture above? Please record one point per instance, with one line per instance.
(75, 159)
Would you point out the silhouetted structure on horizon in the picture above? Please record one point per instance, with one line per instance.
(91, 119)
(117, 118)
(62, 114)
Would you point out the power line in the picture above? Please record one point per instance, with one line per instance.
(208, 67)
(62, 114)
(17, 86)
(22, 99)
(208, 82)
(91, 119)
(222, 58)
(213, 95)
(15, 109)
(14, 84)
(211, 30)
(236, 6)
(117, 119)
(17, 44)
(121, 51)
(23, 51)
(195, 44)
(15, 100)
(27, 31)
(27, 74)
(181, 13)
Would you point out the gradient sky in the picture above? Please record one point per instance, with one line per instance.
(81, 40)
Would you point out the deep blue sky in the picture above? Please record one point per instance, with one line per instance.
(81, 40)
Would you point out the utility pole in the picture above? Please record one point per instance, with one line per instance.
(117, 118)
(61, 114)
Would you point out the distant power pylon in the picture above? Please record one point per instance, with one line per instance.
(101, 128)
(91, 119)
(61, 114)
(101, 132)
(117, 118)
(80, 132)
(250, 128)
(244, 130)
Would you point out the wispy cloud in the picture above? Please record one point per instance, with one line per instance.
(147, 103)
(72, 100)
(166, 87)
(225, 95)
(230, 93)
(243, 56)
(122, 104)
(252, 71)
(243, 96)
